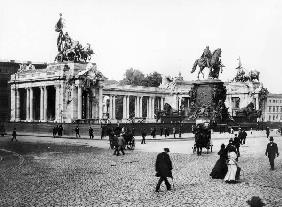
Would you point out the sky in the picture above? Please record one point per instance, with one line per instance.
(166, 36)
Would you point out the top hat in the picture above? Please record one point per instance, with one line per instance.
(166, 149)
(270, 138)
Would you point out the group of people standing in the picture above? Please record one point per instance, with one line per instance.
(226, 167)
(58, 130)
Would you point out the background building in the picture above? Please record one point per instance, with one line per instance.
(273, 108)
(7, 68)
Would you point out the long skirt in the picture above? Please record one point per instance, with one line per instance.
(231, 173)
(219, 170)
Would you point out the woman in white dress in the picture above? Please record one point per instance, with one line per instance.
(230, 176)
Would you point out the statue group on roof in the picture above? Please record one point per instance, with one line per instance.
(242, 76)
(68, 49)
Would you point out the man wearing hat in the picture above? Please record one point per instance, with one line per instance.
(163, 169)
(271, 152)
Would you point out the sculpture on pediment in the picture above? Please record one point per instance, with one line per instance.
(26, 67)
(211, 61)
(68, 49)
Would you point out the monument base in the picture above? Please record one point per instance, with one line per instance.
(207, 100)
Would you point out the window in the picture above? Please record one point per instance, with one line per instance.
(280, 108)
(269, 108)
(273, 117)
(277, 108)
(269, 100)
(269, 118)
(235, 102)
(273, 108)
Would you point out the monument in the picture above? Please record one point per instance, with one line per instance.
(207, 96)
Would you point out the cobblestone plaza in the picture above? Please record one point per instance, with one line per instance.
(84, 172)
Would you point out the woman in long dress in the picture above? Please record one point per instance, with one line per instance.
(230, 176)
(220, 168)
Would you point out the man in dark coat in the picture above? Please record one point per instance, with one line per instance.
(77, 132)
(244, 136)
(143, 134)
(271, 152)
(236, 143)
(267, 132)
(163, 168)
(91, 132)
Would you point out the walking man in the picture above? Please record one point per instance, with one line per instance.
(267, 132)
(143, 134)
(271, 152)
(77, 132)
(91, 132)
(163, 168)
(174, 132)
(14, 135)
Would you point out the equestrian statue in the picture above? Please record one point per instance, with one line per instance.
(211, 61)
(68, 49)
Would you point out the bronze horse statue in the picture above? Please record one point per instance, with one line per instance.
(214, 62)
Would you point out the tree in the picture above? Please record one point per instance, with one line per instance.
(133, 77)
(153, 80)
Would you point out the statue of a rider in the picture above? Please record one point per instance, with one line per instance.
(207, 56)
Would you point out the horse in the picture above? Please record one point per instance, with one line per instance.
(201, 62)
(254, 75)
(86, 53)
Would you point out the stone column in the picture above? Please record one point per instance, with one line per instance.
(140, 106)
(114, 107)
(153, 108)
(27, 104)
(111, 107)
(13, 108)
(45, 101)
(41, 103)
(124, 107)
(94, 113)
(100, 102)
(127, 107)
(79, 102)
(149, 107)
(17, 109)
(162, 103)
(31, 104)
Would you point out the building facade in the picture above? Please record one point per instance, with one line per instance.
(69, 92)
(273, 108)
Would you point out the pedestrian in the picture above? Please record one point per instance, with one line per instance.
(271, 152)
(103, 132)
(77, 132)
(14, 135)
(163, 168)
(115, 144)
(161, 131)
(240, 135)
(60, 130)
(220, 168)
(121, 143)
(244, 136)
(91, 135)
(267, 132)
(174, 132)
(153, 133)
(179, 131)
(54, 131)
(143, 134)
(233, 171)
(165, 131)
(236, 143)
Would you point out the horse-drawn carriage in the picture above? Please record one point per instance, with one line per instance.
(202, 132)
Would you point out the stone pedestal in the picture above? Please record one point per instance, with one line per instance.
(207, 100)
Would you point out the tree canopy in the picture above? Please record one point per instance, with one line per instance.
(137, 78)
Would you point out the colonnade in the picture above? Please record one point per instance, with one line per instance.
(138, 106)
